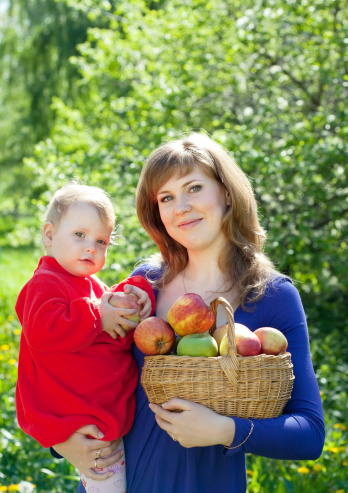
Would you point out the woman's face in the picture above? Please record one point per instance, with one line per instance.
(191, 208)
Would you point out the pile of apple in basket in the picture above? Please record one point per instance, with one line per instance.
(230, 369)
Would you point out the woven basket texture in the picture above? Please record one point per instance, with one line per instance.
(231, 385)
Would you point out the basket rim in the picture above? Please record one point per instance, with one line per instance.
(244, 358)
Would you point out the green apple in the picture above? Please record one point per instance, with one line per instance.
(197, 345)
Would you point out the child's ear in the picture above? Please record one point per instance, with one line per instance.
(47, 233)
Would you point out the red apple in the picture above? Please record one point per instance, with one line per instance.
(272, 340)
(154, 336)
(190, 315)
(248, 344)
(129, 301)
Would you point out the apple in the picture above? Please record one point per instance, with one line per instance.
(197, 345)
(248, 344)
(154, 336)
(219, 333)
(190, 315)
(129, 301)
(272, 340)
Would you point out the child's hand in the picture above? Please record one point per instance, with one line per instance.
(112, 319)
(143, 299)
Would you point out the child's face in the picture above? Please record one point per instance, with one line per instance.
(79, 242)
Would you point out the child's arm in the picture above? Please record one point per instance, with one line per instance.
(53, 322)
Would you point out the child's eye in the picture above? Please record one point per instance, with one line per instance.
(79, 234)
(196, 188)
(102, 242)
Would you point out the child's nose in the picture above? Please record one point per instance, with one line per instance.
(91, 247)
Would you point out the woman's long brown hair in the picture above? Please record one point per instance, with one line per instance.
(243, 259)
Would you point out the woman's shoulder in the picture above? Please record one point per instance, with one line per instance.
(280, 284)
(151, 271)
(280, 294)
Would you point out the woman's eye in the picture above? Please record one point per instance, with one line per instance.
(79, 234)
(167, 198)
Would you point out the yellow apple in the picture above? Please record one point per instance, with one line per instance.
(272, 340)
(219, 334)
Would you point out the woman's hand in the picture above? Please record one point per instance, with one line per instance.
(195, 425)
(82, 452)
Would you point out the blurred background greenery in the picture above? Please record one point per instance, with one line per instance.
(89, 88)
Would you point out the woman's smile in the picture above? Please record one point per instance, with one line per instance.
(189, 223)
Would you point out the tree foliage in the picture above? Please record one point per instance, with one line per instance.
(267, 79)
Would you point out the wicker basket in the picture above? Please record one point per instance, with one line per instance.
(232, 385)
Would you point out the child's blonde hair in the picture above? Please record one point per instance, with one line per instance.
(73, 193)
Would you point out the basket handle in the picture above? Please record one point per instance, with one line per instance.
(229, 363)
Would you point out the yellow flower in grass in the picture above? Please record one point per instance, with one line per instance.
(340, 491)
(3, 488)
(4, 347)
(344, 463)
(334, 450)
(13, 487)
(17, 332)
(250, 472)
(303, 470)
(12, 361)
(317, 467)
(340, 426)
(10, 318)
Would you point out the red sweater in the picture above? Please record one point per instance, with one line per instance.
(70, 372)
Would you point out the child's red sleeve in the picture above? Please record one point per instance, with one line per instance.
(141, 283)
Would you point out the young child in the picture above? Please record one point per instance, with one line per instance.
(73, 369)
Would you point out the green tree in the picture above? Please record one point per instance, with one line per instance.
(266, 80)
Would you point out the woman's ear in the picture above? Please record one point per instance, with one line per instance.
(47, 233)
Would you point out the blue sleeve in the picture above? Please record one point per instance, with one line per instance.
(149, 271)
(299, 432)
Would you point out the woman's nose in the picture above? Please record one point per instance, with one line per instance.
(182, 205)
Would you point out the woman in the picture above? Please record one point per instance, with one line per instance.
(199, 208)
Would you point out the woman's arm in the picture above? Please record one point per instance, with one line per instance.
(298, 434)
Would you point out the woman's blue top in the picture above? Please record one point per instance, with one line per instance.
(157, 464)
